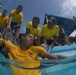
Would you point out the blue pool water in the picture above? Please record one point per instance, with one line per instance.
(5, 68)
(57, 69)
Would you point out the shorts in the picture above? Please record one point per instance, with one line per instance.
(13, 24)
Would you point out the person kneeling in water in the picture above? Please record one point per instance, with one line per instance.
(26, 54)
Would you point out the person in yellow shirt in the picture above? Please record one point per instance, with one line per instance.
(63, 37)
(26, 55)
(15, 20)
(33, 28)
(50, 33)
(3, 20)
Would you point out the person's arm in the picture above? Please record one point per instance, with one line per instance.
(43, 53)
(28, 26)
(62, 30)
(19, 24)
(55, 37)
(43, 36)
(10, 19)
(8, 44)
(20, 20)
(54, 41)
(38, 40)
(38, 34)
(66, 39)
(6, 22)
(52, 56)
(27, 30)
(47, 55)
(44, 40)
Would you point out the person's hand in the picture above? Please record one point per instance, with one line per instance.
(8, 28)
(43, 45)
(52, 45)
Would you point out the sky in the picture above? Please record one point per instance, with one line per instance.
(32, 8)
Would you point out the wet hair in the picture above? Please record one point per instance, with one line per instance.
(53, 19)
(36, 18)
